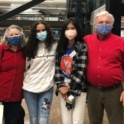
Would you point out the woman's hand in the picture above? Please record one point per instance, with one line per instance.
(64, 90)
(65, 97)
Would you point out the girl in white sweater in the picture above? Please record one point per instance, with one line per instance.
(38, 82)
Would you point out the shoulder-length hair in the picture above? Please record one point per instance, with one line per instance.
(32, 43)
(62, 45)
(4, 40)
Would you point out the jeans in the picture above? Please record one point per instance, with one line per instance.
(109, 100)
(11, 112)
(39, 106)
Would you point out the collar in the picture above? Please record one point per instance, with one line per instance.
(5, 47)
(106, 37)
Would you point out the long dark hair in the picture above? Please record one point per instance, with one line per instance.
(62, 45)
(31, 47)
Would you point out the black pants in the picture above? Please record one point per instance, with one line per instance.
(13, 113)
(21, 116)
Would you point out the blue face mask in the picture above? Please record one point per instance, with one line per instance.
(104, 29)
(16, 40)
(41, 36)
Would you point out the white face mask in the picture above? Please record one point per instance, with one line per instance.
(70, 34)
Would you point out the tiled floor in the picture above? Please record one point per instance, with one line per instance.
(55, 116)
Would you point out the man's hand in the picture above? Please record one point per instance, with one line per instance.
(64, 90)
(122, 98)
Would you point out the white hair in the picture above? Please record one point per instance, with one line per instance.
(4, 40)
(104, 13)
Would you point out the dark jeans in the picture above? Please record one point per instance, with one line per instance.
(109, 100)
(13, 112)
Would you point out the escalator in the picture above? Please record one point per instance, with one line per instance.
(19, 9)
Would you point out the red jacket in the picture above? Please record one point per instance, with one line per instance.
(12, 66)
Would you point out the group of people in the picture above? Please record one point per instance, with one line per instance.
(84, 69)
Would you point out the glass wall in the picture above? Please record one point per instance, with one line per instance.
(98, 3)
(122, 26)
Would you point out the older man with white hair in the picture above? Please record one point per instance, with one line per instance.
(105, 71)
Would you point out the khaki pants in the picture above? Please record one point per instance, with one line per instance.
(108, 100)
(76, 115)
